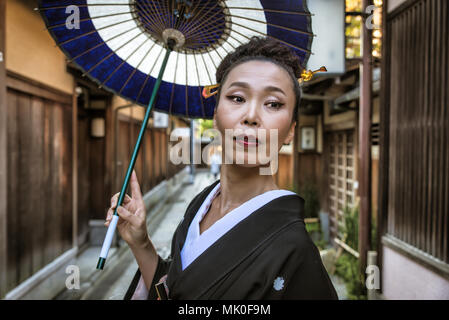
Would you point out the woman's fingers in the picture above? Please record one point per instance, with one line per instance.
(108, 217)
(114, 200)
(127, 216)
(135, 188)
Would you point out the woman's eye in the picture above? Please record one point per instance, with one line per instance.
(275, 105)
(235, 98)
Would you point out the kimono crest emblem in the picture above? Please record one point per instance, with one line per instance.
(278, 283)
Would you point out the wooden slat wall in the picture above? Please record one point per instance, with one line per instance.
(39, 183)
(310, 170)
(149, 161)
(3, 157)
(151, 164)
(284, 175)
(172, 169)
(83, 179)
(418, 199)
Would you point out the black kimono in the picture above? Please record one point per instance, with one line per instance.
(268, 255)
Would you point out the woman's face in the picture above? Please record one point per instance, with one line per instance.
(256, 97)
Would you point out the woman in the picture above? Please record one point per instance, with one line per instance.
(215, 162)
(241, 237)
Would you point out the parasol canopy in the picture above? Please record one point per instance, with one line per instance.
(121, 44)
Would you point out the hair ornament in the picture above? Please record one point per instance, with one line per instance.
(306, 75)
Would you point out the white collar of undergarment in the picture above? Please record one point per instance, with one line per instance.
(196, 244)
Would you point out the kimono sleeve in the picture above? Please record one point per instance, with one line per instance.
(296, 271)
(137, 289)
(306, 277)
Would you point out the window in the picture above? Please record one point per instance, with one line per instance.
(354, 24)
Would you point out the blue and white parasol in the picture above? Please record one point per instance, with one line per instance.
(160, 54)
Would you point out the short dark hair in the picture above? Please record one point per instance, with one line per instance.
(264, 49)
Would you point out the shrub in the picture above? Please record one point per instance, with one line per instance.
(347, 267)
(309, 193)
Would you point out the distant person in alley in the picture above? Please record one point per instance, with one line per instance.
(215, 162)
(242, 237)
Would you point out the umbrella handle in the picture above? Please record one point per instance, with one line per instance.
(112, 226)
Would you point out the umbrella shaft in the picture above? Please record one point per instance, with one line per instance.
(112, 226)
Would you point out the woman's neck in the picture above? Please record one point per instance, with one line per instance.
(239, 184)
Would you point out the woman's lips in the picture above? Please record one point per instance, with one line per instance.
(245, 142)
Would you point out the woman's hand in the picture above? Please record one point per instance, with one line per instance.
(132, 223)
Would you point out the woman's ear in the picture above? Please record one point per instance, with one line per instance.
(291, 133)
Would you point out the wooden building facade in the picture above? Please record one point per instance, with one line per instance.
(58, 169)
(330, 114)
(414, 164)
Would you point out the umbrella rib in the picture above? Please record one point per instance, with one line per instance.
(214, 24)
(93, 31)
(158, 16)
(203, 24)
(214, 39)
(181, 27)
(167, 11)
(213, 62)
(150, 26)
(163, 23)
(101, 44)
(218, 53)
(194, 18)
(199, 43)
(199, 37)
(172, 18)
(231, 45)
(89, 19)
(82, 5)
(123, 62)
(274, 11)
(263, 34)
(148, 75)
(177, 21)
(208, 39)
(148, 17)
(273, 25)
(227, 52)
(199, 89)
(137, 67)
(207, 70)
(173, 86)
(109, 55)
(241, 34)
(230, 36)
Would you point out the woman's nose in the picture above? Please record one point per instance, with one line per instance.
(251, 117)
(250, 122)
